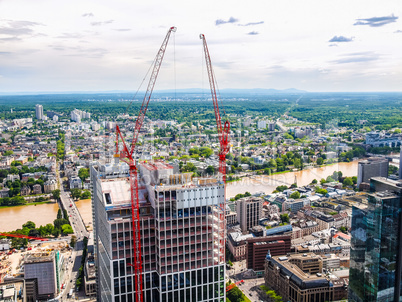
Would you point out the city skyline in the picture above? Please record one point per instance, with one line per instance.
(96, 46)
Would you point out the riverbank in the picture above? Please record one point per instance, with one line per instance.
(28, 204)
(252, 174)
(268, 183)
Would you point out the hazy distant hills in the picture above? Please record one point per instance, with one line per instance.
(254, 91)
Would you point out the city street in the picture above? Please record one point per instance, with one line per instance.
(250, 286)
(80, 232)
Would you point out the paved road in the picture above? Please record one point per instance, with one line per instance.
(80, 232)
(250, 286)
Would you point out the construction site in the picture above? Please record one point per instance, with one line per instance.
(14, 263)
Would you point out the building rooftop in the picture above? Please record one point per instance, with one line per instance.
(39, 257)
(238, 236)
(296, 274)
(279, 229)
(156, 165)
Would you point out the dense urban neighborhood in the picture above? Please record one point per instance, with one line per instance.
(277, 225)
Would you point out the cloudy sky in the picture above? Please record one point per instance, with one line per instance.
(315, 45)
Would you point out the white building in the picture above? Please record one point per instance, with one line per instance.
(50, 185)
(39, 112)
(5, 244)
(95, 126)
(78, 115)
(262, 124)
(75, 183)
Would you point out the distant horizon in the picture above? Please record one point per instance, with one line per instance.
(186, 90)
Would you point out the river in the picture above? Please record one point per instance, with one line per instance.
(267, 184)
(13, 217)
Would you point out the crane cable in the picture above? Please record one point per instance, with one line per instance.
(143, 80)
(219, 94)
(174, 66)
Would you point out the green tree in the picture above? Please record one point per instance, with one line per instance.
(83, 173)
(56, 194)
(272, 163)
(281, 188)
(284, 218)
(194, 150)
(85, 194)
(343, 229)
(59, 215)
(65, 214)
(295, 195)
(354, 179)
(58, 223)
(314, 181)
(206, 152)
(8, 153)
(235, 295)
(189, 167)
(348, 181)
(287, 136)
(67, 229)
(210, 170)
(34, 233)
(49, 229)
(321, 191)
(392, 170)
(14, 170)
(75, 193)
(320, 161)
(298, 163)
(29, 224)
(73, 241)
(56, 232)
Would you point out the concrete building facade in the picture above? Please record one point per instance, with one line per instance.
(249, 212)
(298, 278)
(257, 249)
(371, 167)
(182, 234)
(42, 267)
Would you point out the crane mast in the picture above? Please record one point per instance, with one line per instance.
(127, 156)
(223, 132)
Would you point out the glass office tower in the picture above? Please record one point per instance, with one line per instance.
(375, 255)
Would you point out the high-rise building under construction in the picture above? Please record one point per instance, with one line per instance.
(182, 234)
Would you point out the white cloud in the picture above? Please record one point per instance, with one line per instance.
(99, 45)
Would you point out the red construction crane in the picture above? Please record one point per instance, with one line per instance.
(233, 285)
(24, 236)
(127, 156)
(223, 132)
